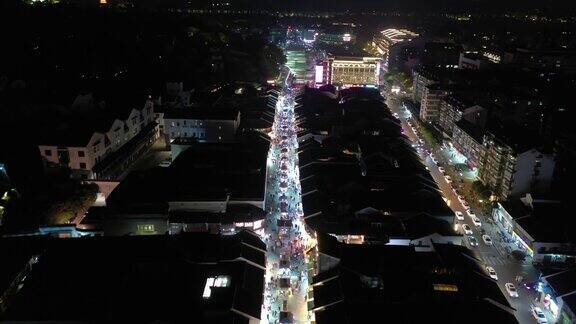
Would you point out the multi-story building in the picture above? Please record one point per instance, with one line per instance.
(100, 144)
(202, 124)
(358, 71)
(454, 108)
(422, 77)
(430, 102)
(391, 44)
(467, 139)
(511, 169)
(540, 226)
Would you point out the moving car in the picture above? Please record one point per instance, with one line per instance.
(441, 169)
(492, 273)
(511, 290)
(539, 315)
(487, 239)
(448, 179)
(459, 215)
(472, 240)
(476, 221)
(467, 229)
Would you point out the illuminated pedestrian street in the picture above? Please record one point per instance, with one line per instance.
(285, 236)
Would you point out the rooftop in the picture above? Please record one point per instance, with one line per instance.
(164, 275)
(445, 285)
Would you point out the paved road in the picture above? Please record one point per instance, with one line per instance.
(286, 239)
(493, 255)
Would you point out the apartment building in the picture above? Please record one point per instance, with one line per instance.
(432, 96)
(467, 138)
(422, 77)
(454, 108)
(511, 169)
(94, 145)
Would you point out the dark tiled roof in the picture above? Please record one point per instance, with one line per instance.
(472, 130)
(563, 282)
(163, 275)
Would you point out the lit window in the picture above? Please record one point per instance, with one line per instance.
(445, 287)
(218, 281)
(146, 228)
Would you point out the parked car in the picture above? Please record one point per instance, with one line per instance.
(467, 230)
(448, 179)
(441, 169)
(538, 314)
(165, 163)
(476, 221)
(459, 215)
(487, 239)
(472, 240)
(492, 273)
(470, 213)
(511, 290)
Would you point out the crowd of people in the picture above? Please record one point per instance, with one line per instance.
(285, 236)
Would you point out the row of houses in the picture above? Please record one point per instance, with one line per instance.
(502, 141)
(386, 237)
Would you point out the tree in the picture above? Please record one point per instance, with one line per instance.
(80, 199)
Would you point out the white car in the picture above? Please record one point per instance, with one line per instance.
(441, 169)
(462, 200)
(511, 290)
(165, 163)
(467, 229)
(492, 273)
(487, 239)
(476, 221)
(448, 179)
(470, 213)
(539, 315)
(459, 215)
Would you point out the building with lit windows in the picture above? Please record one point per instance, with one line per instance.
(353, 71)
(454, 108)
(432, 96)
(557, 293)
(541, 227)
(513, 168)
(392, 44)
(203, 124)
(101, 144)
(467, 139)
(422, 77)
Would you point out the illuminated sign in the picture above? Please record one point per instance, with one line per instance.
(319, 77)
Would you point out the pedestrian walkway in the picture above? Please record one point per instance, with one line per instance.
(285, 297)
(494, 260)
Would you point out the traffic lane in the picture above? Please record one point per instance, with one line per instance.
(506, 272)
